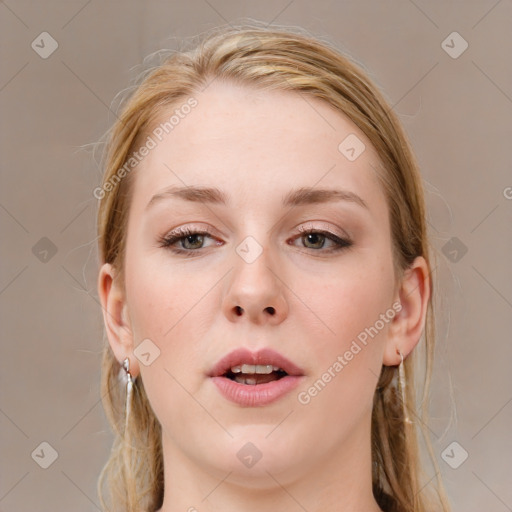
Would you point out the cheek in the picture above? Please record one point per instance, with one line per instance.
(348, 360)
(170, 309)
(348, 354)
(350, 303)
(157, 297)
(162, 311)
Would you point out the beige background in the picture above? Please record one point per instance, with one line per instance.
(457, 112)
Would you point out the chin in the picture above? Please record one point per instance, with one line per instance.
(252, 454)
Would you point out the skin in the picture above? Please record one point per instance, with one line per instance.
(256, 146)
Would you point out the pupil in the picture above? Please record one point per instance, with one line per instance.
(313, 235)
(189, 237)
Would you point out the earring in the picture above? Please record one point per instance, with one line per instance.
(401, 378)
(129, 387)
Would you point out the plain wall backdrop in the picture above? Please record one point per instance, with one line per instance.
(456, 105)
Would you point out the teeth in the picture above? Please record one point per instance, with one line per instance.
(263, 369)
(245, 380)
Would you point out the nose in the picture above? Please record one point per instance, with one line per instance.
(256, 291)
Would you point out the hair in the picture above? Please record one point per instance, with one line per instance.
(285, 59)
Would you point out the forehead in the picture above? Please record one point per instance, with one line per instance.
(256, 144)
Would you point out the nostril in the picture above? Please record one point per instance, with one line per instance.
(239, 310)
(271, 310)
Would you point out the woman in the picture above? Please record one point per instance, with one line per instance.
(266, 286)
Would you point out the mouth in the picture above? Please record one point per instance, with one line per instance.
(254, 368)
(252, 375)
(255, 379)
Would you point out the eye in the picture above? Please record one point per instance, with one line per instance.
(316, 239)
(191, 240)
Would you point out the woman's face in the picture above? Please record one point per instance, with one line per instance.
(256, 282)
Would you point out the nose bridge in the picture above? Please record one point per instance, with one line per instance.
(255, 289)
(256, 239)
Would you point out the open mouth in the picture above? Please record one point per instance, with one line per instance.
(249, 377)
(255, 379)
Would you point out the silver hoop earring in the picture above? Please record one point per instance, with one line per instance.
(129, 387)
(401, 378)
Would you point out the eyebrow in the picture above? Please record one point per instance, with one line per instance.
(299, 197)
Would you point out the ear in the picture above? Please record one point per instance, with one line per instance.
(116, 318)
(406, 327)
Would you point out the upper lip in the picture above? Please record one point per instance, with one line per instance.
(264, 356)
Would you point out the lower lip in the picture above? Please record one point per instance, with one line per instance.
(256, 395)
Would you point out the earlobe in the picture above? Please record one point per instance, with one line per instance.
(408, 324)
(115, 317)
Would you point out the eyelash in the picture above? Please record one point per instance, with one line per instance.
(182, 233)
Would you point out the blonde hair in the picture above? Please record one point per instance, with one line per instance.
(289, 60)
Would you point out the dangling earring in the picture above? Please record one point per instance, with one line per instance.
(401, 378)
(129, 387)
